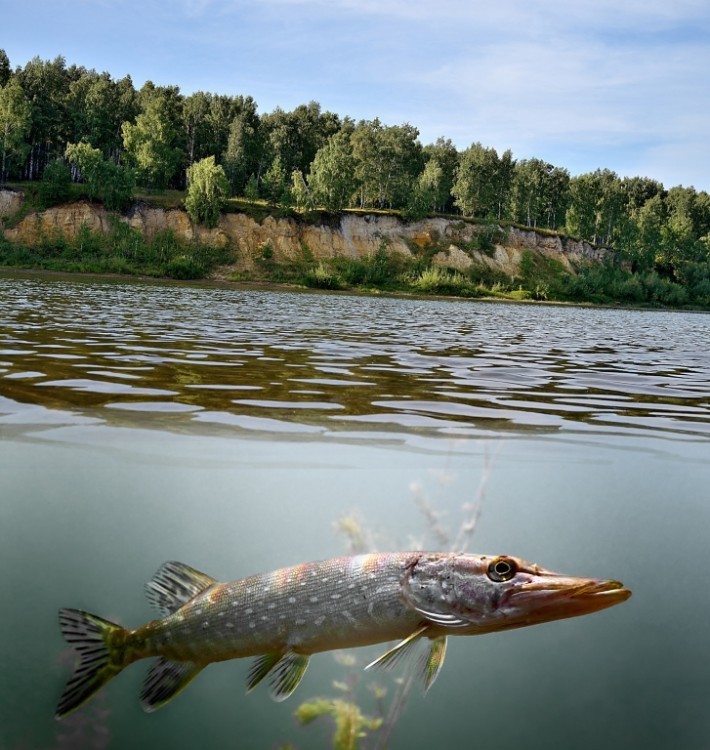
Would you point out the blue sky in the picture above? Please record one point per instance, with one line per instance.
(622, 84)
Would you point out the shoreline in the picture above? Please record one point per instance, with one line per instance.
(282, 286)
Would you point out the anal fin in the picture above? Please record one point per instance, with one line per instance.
(165, 680)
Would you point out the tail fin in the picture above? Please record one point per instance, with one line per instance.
(101, 648)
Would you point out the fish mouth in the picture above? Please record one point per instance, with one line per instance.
(556, 597)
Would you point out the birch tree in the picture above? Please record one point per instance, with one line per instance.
(15, 120)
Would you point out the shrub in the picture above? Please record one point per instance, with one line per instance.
(207, 191)
(322, 277)
(55, 185)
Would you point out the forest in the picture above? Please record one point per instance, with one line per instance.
(62, 124)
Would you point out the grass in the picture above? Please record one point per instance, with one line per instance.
(125, 251)
(122, 250)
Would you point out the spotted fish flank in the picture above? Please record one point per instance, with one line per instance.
(284, 617)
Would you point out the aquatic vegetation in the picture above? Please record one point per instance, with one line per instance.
(350, 722)
(356, 535)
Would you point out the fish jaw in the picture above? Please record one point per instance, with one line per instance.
(550, 596)
(475, 594)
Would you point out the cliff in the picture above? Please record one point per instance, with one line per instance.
(451, 242)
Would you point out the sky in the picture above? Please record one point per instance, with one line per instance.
(582, 84)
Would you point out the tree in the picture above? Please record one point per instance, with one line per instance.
(277, 184)
(46, 86)
(56, 183)
(296, 136)
(426, 191)
(104, 179)
(447, 157)
(650, 223)
(15, 120)
(245, 155)
(97, 106)
(482, 181)
(300, 193)
(152, 143)
(88, 161)
(207, 191)
(387, 162)
(332, 175)
(5, 69)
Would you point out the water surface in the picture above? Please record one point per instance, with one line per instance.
(232, 429)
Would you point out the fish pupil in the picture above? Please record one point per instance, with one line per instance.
(502, 569)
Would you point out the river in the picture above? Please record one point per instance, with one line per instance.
(241, 430)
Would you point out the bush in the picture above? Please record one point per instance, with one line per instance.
(207, 191)
(321, 277)
(55, 186)
(436, 280)
(184, 267)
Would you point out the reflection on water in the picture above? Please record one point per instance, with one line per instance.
(255, 359)
(230, 429)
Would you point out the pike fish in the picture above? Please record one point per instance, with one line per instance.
(284, 617)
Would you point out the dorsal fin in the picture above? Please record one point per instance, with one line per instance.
(174, 585)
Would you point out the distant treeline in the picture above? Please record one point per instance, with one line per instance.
(52, 114)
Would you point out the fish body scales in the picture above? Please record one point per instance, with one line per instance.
(338, 603)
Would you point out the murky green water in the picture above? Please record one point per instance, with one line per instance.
(232, 429)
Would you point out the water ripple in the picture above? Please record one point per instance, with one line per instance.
(323, 363)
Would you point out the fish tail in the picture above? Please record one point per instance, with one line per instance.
(101, 647)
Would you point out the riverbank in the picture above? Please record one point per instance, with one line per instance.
(374, 252)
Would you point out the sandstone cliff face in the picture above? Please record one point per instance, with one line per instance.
(10, 202)
(354, 236)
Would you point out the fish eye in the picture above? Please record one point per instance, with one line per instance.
(502, 569)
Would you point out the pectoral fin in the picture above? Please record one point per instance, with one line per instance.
(392, 657)
(430, 662)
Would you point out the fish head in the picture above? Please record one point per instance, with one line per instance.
(479, 593)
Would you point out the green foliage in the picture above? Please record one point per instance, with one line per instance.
(387, 161)
(332, 173)
(302, 198)
(436, 280)
(426, 192)
(245, 152)
(322, 277)
(276, 184)
(540, 194)
(207, 191)
(121, 250)
(251, 191)
(55, 186)
(103, 179)
(315, 156)
(89, 161)
(483, 181)
(350, 723)
(15, 120)
(152, 142)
